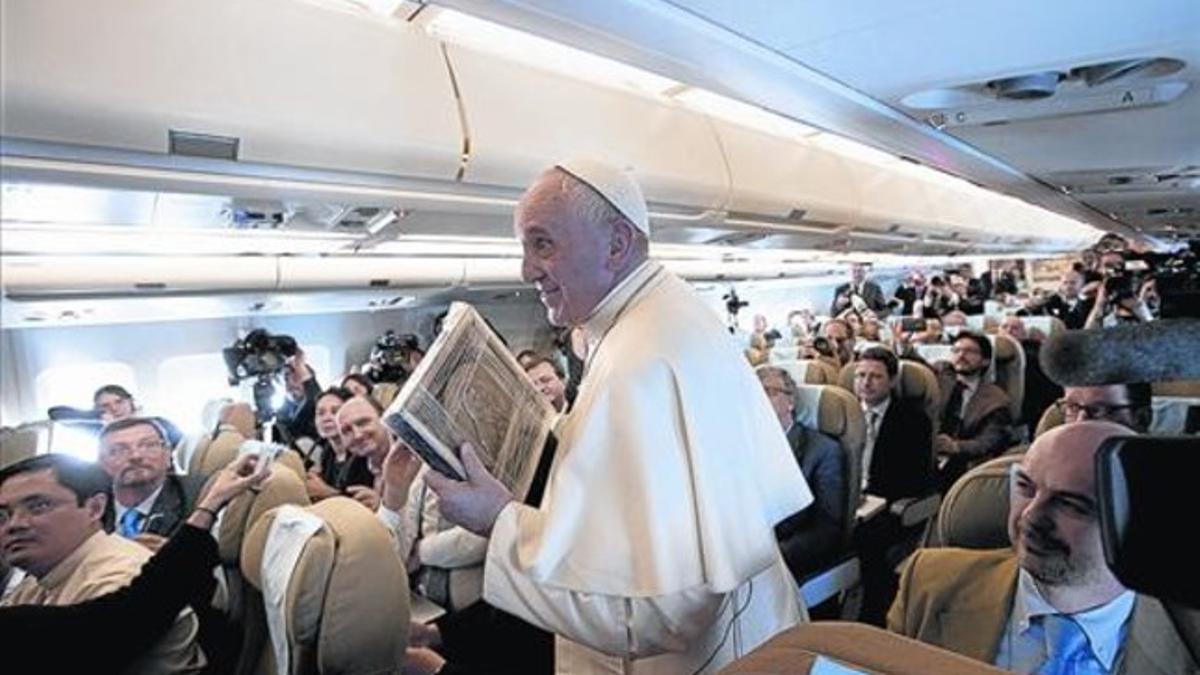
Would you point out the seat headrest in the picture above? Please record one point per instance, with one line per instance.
(283, 487)
(1052, 417)
(219, 452)
(974, 513)
(1009, 363)
(385, 392)
(22, 442)
(348, 600)
(834, 411)
(1180, 388)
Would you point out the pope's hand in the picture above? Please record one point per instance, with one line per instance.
(473, 503)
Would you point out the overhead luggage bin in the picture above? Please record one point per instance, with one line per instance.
(285, 82)
(122, 275)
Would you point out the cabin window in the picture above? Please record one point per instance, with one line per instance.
(187, 383)
(73, 385)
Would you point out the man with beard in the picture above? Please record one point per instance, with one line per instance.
(975, 421)
(151, 499)
(1050, 604)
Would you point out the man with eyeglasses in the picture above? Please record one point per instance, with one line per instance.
(1125, 404)
(151, 500)
(52, 511)
(975, 420)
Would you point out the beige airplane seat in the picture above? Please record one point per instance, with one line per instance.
(1052, 417)
(18, 443)
(1008, 360)
(243, 605)
(835, 412)
(236, 424)
(855, 645)
(916, 382)
(974, 513)
(808, 371)
(385, 392)
(1180, 388)
(343, 602)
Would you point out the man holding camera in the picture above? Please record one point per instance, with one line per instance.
(859, 286)
(297, 416)
(1118, 300)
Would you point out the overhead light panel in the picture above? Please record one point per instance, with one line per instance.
(742, 114)
(537, 52)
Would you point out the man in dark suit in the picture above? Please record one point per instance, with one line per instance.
(151, 500)
(812, 537)
(897, 464)
(868, 291)
(976, 420)
(1050, 604)
(1068, 303)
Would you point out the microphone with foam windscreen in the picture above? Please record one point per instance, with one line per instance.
(1159, 351)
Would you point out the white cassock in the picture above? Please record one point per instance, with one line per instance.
(653, 550)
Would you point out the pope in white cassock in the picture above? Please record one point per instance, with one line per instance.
(653, 550)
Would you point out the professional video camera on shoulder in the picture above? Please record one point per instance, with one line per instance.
(394, 357)
(259, 355)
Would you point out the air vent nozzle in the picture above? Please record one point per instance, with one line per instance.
(1103, 73)
(1026, 87)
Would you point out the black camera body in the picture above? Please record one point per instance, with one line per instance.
(1118, 287)
(733, 304)
(258, 354)
(391, 357)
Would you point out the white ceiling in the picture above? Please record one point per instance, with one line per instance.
(890, 50)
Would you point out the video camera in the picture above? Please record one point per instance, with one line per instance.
(259, 355)
(391, 357)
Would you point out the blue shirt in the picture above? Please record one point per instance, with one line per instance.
(1023, 645)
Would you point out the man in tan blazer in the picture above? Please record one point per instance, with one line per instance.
(975, 422)
(1050, 604)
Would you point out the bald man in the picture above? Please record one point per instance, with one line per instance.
(1050, 604)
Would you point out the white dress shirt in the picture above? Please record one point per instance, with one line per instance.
(878, 410)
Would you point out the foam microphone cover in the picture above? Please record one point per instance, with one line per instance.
(1159, 351)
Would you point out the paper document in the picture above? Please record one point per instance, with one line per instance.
(470, 389)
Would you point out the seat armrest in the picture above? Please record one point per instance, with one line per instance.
(916, 510)
(871, 506)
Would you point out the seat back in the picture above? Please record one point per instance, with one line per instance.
(808, 371)
(914, 382)
(835, 412)
(346, 605)
(1052, 417)
(21, 442)
(385, 392)
(243, 606)
(974, 512)
(221, 450)
(861, 647)
(1008, 360)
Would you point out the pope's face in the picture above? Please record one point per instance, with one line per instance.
(566, 254)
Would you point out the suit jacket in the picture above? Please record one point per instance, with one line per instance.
(902, 461)
(984, 432)
(961, 600)
(174, 503)
(872, 294)
(813, 536)
(1073, 318)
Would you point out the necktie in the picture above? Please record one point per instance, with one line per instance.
(952, 415)
(872, 437)
(131, 523)
(1066, 647)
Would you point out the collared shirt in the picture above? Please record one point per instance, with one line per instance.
(1023, 646)
(605, 314)
(143, 507)
(970, 386)
(879, 409)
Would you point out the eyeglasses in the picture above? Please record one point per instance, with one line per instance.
(1095, 411)
(31, 508)
(123, 449)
